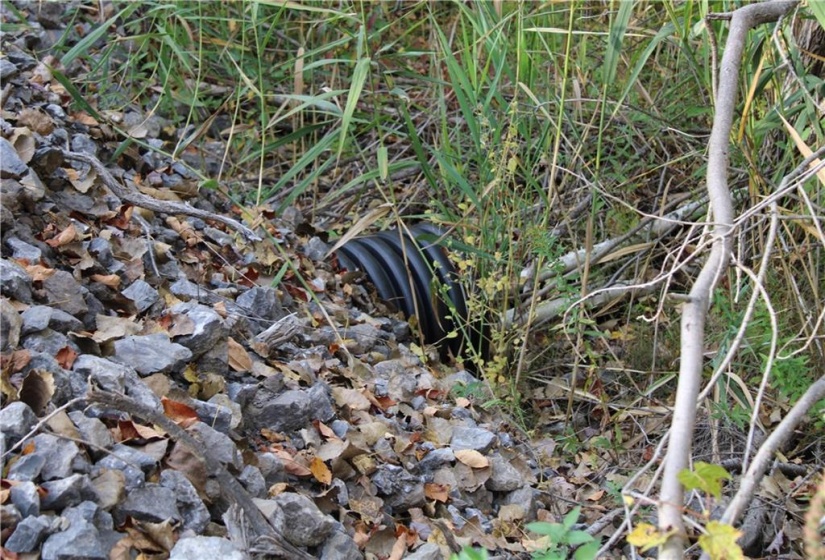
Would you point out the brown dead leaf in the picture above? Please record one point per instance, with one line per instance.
(110, 328)
(37, 390)
(292, 463)
(352, 398)
(83, 117)
(220, 309)
(180, 413)
(277, 489)
(61, 424)
(398, 549)
(162, 534)
(472, 458)
(325, 430)
(320, 471)
(185, 230)
(24, 143)
(437, 492)
(81, 182)
(36, 120)
(239, 358)
(38, 272)
(65, 357)
(129, 431)
(184, 460)
(66, 236)
(109, 280)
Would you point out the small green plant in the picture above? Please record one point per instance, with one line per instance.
(468, 553)
(562, 538)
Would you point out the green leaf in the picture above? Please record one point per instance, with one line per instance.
(588, 551)
(705, 477)
(579, 537)
(359, 76)
(618, 28)
(817, 8)
(555, 531)
(86, 42)
(571, 517)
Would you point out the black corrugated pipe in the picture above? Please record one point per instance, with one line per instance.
(410, 274)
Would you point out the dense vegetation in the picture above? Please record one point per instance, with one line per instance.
(547, 137)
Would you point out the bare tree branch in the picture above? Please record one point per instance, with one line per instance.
(695, 310)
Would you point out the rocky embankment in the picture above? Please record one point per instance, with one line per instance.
(162, 396)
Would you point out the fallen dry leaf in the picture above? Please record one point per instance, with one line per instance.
(472, 458)
(109, 280)
(437, 492)
(110, 328)
(320, 471)
(355, 400)
(180, 413)
(239, 358)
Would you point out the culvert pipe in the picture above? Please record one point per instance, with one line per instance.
(410, 272)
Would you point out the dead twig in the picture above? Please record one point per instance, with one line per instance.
(143, 201)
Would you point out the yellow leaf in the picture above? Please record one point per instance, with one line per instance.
(720, 541)
(472, 458)
(804, 149)
(646, 536)
(320, 470)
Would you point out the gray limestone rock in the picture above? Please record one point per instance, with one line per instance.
(64, 292)
(29, 534)
(314, 526)
(66, 492)
(81, 541)
(320, 402)
(153, 503)
(291, 410)
(220, 447)
(11, 166)
(48, 342)
(427, 551)
(117, 378)
(7, 69)
(504, 477)
(62, 457)
(272, 468)
(253, 481)
(11, 326)
(524, 497)
(262, 305)
(472, 438)
(201, 548)
(151, 353)
(94, 431)
(21, 250)
(41, 317)
(27, 467)
(16, 420)
(26, 499)
(207, 324)
(214, 415)
(142, 294)
(436, 459)
(134, 464)
(191, 507)
(402, 489)
(340, 546)
(15, 282)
